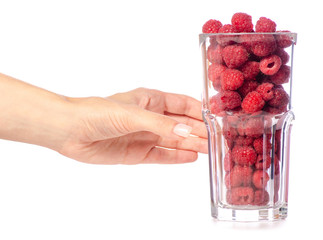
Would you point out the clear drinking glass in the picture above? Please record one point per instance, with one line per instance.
(248, 135)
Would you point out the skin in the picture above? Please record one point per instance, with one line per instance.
(126, 128)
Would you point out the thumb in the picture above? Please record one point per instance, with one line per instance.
(144, 120)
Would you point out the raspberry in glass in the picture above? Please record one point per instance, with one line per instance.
(234, 55)
(282, 76)
(240, 196)
(270, 65)
(266, 91)
(231, 79)
(244, 155)
(260, 179)
(253, 102)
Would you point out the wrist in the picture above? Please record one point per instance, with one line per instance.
(33, 115)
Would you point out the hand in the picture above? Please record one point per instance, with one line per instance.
(140, 126)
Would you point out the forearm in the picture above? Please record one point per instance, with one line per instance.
(32, 115)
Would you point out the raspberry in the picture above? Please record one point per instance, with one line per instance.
(227, 162)
(270, 65)
(266, 91)
(229, 132)
(234, 55)
(261, 198)
(230, 99)
(227, 40)
(244, 141)
(215, 71)
(215, 107)
(246, 40)
(244, 155)
(225, 100)
(242, 22)
(260, 179)
(261, 146)
(240, 196)
(211, 26)
(283, 40)
(231, 79)
(265, 25)
(280, 52)
(214, 54)
(253, 102)
(252, 127)
(263, 162)
(250, 70)
(238, 176)
(282, 76)
(247, 87)
(275, 110)
(280, 98)
(263, 45)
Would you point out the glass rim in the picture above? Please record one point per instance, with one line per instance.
(249, 33)
(292, 35)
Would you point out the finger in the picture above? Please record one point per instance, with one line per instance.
(198, 127)
(139, 119)
(183, 105)
(195, 144)
(169, 156)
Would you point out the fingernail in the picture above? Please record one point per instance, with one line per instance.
(182, 130)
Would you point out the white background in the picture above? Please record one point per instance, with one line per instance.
(97, 48)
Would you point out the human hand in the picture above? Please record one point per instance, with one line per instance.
(140, 126)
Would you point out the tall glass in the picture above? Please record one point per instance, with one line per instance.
(247, 110)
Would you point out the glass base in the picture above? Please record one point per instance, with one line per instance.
(249, 215)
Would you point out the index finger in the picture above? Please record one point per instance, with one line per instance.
(183, 105)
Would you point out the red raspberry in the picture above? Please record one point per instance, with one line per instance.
(263, 45)
(270, 65)
(260, 179)
(243, 141)
(250, 70)
(265, 25)
(230, 99)
(234, 55)
(227, 162)
(261, 197)
(280, 52)
(282, 76)
(253, 102)
(215, 71)
(211, 26)
(244, 155)
(266, 91)
(229, 132)
(225, 100)
(280, 98)
(214, 53)
(238, 176)
(247, 87)
(242, 22)
(275, 110)
(240, 196)
(263, 162)
(283, 40)
(261, 146)
(252, 127)
(231, 79)
(246, 40)
(227, 40)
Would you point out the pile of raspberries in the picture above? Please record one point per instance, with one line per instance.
(248, 67)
